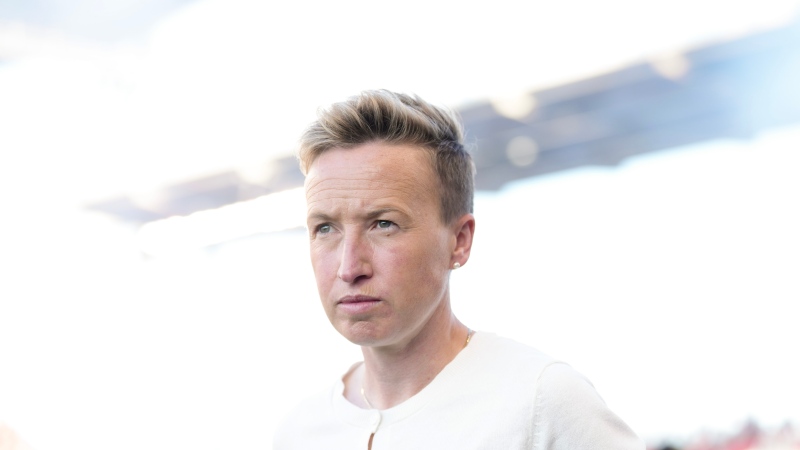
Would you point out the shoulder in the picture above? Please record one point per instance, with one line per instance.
(561, 404)
(499, 369)
(319, 420)
(569, 413)
(500, 352)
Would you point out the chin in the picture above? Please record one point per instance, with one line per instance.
(362, 333)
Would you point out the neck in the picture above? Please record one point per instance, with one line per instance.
(392, 375)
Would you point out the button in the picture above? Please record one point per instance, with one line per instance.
(375, 420)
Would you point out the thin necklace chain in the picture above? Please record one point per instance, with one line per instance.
(469, 336)
(364, 394)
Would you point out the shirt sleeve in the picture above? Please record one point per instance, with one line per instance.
(570, 415)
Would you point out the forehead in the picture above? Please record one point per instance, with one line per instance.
(371, 171)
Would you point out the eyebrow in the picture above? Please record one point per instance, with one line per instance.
(319, 216)
(379, 212)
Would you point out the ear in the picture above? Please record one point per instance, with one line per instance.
(464, 230)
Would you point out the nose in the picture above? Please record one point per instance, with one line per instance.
(356, 259)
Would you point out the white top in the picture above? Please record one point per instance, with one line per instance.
(495, 394)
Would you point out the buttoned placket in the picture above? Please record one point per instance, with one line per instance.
(375, 423)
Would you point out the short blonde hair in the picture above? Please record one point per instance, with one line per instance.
(384, 116)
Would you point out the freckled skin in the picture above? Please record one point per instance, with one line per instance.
(376, 230)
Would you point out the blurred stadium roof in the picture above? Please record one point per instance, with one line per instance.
(729, 88)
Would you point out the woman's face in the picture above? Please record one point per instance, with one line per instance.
(380, 252)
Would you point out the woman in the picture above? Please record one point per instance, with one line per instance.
(389, 190)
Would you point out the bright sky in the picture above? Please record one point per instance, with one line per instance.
(669, 281)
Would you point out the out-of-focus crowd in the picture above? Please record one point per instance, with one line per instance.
(749, 437)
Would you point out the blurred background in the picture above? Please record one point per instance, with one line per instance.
(637, 212)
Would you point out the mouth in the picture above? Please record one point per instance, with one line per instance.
(357, 304)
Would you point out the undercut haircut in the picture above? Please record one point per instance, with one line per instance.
(398, 119)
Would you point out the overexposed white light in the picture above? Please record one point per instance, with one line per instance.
(673, 66)
(270, 213)
(514, 107)
(522, 151)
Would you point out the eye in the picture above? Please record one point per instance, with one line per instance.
(384, 224)
(323, 229)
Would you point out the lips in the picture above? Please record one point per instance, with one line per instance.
(357, 304)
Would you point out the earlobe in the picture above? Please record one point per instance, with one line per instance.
(464, 229)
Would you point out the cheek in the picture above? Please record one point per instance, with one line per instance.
(423, 262)
(433, 251)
